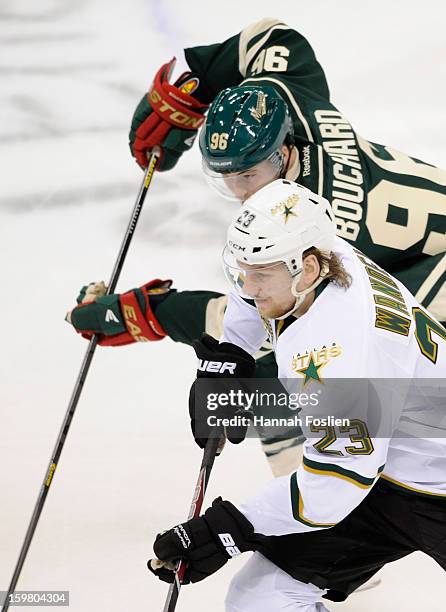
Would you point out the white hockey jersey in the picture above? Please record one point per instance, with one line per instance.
(374, 332)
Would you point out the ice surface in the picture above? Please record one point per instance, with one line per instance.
(71, 74)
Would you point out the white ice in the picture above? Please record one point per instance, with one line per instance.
(71, 74)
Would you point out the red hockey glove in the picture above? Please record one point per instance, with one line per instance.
(167, 117)
(118, 319)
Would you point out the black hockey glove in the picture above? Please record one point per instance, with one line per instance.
(205, 542)
(217, 393)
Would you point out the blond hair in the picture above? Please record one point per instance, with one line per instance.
(336, 273)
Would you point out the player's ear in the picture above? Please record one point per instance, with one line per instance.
(311, 269)
(286, 154)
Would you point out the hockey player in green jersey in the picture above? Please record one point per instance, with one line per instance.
(371, 488)
(389, 205)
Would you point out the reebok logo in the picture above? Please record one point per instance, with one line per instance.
(306, 161)
(110, 316)
(216, 366)
(229, 544)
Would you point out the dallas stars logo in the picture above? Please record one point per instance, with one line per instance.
(311, 371)
(310, 363)
(286, 208)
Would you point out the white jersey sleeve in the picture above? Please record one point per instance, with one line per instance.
(242, 325)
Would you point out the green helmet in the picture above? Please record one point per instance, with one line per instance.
(244, 126)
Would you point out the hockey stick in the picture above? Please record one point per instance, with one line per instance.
(79, 384)
(209, 455)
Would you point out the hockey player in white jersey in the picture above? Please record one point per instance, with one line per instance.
(372, 485)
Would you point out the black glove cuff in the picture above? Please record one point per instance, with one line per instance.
(210, 350)
(236, 350)
(231, 530)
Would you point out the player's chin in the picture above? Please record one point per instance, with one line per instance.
(270, 310)
(267, 308)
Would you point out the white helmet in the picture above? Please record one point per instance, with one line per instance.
(279, 223)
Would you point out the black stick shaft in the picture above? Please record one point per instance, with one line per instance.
(197, 502)
(78, 386)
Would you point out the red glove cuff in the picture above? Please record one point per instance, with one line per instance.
(172, 104)
(143, 327)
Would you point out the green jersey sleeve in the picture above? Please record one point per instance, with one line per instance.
(182, 314)
(268, 48)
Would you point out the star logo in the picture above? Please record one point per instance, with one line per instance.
(286, 208)
(311, 371)
(288, 212)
